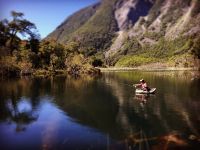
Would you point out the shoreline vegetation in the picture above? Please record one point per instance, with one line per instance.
(14, 72)
(74, 71)
(193, 70)
(47, 57)
(157, 66)
(146, 69)
(36, 56)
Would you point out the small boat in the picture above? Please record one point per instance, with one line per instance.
(152, 91)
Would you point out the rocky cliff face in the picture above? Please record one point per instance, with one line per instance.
(173, 17)
(127, 14)
(118, 28)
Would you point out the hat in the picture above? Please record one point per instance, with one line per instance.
(141, 80)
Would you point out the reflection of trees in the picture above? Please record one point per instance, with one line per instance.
(118, 91)
(106, 104)
(152, 116)
(132, 114)
(171, 109)
(90, 103)
(14, 94)
(21, 118)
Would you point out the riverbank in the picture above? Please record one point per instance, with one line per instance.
(76, 71)
(75, 65)
(147, 69)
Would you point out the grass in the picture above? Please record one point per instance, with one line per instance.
(130, 61)
(174, 52)
(166, 48)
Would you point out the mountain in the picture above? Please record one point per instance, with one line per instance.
(93, 27)
(73, 23)
(136, 32)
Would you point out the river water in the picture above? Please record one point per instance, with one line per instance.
(100, 113)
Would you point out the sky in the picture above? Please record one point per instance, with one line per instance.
(46, 14)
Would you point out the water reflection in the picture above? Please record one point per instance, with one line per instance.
(102, 113)
(21, 113)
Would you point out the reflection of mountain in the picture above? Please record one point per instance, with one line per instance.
(107, 104)
(118, 91)
(91, 104)
(170, 109)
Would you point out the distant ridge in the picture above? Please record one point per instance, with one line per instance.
(125, 32)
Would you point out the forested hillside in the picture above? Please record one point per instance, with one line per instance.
(136, 32)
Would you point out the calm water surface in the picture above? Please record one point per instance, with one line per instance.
(102, 113)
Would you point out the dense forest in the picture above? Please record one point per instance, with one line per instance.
(31, 55)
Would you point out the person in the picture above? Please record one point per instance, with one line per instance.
(143, 85)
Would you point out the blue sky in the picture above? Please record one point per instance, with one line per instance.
(46, 14)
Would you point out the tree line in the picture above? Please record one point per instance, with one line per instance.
(31, 52)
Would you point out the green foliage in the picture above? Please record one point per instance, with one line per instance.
(162, 51)
(92, 28)
(77, 64)
(35, 60)
(19, 25)
(8, 67)
(65, 30)
(4, 32)
(97, 33)
(34, 44)
(133, 61)
(183, 60)
(10, 29)
(130, 46)
(196, 48)
(165, 48)
(32, 53)
(52, 54)
(72, 47)
(154, 35)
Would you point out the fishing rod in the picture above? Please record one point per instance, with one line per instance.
(130, 85)
(127, 84)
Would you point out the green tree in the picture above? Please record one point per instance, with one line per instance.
(4, 33)
(52, 54)
(196, 48)
(19, 25)
(72, 47)
(34, 43)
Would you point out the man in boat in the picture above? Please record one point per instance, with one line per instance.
(143, 85)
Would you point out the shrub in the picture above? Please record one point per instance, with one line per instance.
(133, 61)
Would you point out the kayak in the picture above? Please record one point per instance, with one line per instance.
(153, 90)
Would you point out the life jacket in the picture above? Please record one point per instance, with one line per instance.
(144, 86)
